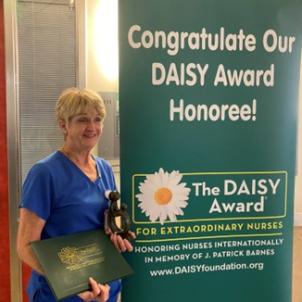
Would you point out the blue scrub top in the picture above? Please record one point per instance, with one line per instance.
(57, 191)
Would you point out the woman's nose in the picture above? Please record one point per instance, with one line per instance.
(91, 124)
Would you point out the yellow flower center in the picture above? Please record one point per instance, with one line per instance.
(163, 196)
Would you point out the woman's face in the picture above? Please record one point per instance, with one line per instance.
(84, 130)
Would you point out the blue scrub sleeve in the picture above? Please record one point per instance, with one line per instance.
(37, 192)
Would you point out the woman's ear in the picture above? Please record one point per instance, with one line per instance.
(62, 125)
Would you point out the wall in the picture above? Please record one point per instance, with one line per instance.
(4, 212)
(102, 55)
(101, 45)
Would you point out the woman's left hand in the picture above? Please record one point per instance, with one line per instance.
(99, 292)
(122, 245)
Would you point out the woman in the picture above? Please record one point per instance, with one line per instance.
(64, 192)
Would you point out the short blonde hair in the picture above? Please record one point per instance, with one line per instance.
(74, 101)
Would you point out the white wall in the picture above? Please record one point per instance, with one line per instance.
(101, 47)
(102, 53)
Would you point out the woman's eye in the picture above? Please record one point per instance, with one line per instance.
(83, 120)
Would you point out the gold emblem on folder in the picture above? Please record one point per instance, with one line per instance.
(79, 257)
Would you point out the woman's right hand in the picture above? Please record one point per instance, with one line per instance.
(121, 244)
(99, 292)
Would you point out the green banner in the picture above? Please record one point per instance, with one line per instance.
(208, 113)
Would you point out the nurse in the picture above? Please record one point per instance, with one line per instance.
(64, 192)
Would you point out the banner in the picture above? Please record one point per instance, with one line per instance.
(208, 113)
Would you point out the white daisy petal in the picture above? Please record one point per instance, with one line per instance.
(172, 216)
(162, 217)
(175, 179)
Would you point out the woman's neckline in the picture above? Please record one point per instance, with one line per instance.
(93, 176)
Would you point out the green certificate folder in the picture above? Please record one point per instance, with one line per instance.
(68, 261)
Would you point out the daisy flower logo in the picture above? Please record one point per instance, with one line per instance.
(162, 196)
